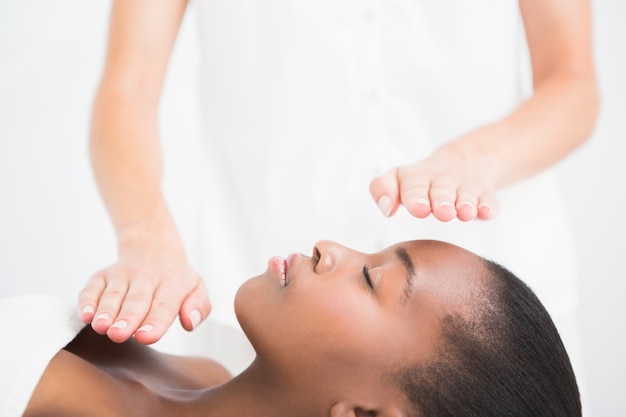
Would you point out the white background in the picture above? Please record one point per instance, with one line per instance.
(54, 232)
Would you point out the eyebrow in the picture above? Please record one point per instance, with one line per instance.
(404, 257)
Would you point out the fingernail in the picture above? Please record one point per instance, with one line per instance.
(466, 204)
(423, 202)
(146, 328)
(120, 324)
(87, 310)
(195, 317)
(384, 204)
(445, 204)
(103, 316)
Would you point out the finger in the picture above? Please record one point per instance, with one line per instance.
(163, 310)
(466, 203)
(133, 311)
(414, 191)
(384, 190)
(109, 304)
(488, 206)
(89, 296)
(442, 199)
(195, 308)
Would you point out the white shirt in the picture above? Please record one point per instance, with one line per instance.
(304, 102)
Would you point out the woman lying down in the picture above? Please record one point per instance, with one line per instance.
(423, 328)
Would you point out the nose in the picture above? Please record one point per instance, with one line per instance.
(328, 256)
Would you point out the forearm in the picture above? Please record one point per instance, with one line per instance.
(460, 179)
(152, 282)
(557, 119)
(128, 166)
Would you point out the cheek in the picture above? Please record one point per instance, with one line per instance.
(331, 322)
(336, 322)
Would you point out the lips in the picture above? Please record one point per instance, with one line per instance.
(284, 279)
(282, 268)
(278, 266)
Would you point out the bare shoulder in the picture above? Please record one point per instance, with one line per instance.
(147, 365)
(71, 387)
(84, 377)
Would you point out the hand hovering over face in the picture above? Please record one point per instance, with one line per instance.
(460, 179)
(448, 184)
(142, 294)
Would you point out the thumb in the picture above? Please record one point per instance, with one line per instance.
(195, 308)
(385, 191)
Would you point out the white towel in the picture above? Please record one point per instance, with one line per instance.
(33, 328)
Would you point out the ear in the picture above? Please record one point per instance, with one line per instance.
(344, 409)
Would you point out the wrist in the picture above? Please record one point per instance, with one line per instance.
(477, 151)
(150, 240)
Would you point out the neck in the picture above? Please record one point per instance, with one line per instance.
(252, 393)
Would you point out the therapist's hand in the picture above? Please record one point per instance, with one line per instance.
(141, 295)
(448, 184)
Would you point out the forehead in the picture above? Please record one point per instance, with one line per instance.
(442, 250)
(443, 278)
(440, 262)
(447, 280)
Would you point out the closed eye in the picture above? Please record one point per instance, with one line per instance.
(368, 278)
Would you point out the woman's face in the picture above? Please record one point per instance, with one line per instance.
(341, 313)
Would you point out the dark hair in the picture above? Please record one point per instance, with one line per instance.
(507, 361)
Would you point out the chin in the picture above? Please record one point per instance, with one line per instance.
(248, 303)
(256, 311)
(242, 296)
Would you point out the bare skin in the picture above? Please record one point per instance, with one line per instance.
(93, 376)
(152, 282)
(313, 322)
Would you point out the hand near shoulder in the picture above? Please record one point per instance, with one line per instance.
(142, 294)
(448, 184)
